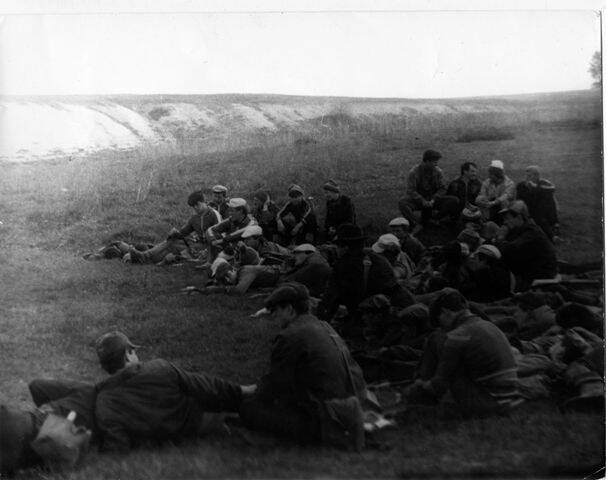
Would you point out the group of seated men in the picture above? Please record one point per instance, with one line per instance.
(483, 317)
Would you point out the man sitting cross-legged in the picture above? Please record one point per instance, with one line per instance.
(176, 242)
(470, 357)
(314, 389)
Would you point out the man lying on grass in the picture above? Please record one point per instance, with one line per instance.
(186, 242)
(138, 402)
(309, 268)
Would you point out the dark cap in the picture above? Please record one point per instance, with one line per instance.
(288, 293)
(348, 232)
(112, 344)
(431, 155)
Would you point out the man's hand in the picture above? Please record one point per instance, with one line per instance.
(280, 226)
(297, 227)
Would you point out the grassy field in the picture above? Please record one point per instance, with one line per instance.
(53, 303)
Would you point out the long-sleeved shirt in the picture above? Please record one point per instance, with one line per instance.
(465, 191)
(230, 228)
(504, 192)
(158, 401)
(482, 351)
(425, 183)
(200, 223)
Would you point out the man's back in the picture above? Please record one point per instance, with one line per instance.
(529, 253)
(309, 360)
(158, 401)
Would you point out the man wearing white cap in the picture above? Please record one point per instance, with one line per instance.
(388, 245)
(491, 279)
(409, 244)
(230, 229)
(497, 191)
(219, 201)
(270, 252)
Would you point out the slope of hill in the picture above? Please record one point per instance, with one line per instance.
(34, 128)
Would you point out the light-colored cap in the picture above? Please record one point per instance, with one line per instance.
(385, 242)
(517, 207)
(236, 202)
(252, 231)
(219, 189)
(399, 222)
(497, 164)
(216, 264)
(489, 251)
(305, 248)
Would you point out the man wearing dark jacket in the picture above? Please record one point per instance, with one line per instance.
(358, 275)
(339, 209)
(312, 378)
(539, 196)
(153, 400)
(296, 221)
(466, 187)
(526, 250)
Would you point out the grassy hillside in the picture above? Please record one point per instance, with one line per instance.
(53, 303)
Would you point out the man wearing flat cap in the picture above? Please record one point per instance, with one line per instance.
(409, 244)
(230, 229)
(339, 209)
(219, 201)
(426, 192)
(312, 378)
(358, 274)
(525, 248)
(470, 357)
(296, 220)
(154, 400)
(496, 192)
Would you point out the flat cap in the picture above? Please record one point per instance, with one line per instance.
(219, 189)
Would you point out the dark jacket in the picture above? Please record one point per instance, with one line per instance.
(313, 273)
(200, 223)
(339, 211)
(541, 203)
(489, 283)
(414, 248)
(466, 192)
(157, 401)
(222, 208)
(348, 286)
(425, 183)
(266, 218)
(309, 362)
(528, 253)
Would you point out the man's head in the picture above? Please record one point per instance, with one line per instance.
(469, 171)
(470, 237)
(496, 171)
(446, 307)
(251, 236)
(219, 194)
(295, 193)
(400, 227)
(303, 252)
(533, 174)
(515, 215)
(197, 201)
(115, 351)
(223, 271)
(238, 209)
(331, 190)
(488, 254)
(431, 158)
(287, 302)
(387, 243)
(259, 199)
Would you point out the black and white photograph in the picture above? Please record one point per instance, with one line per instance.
(308, 239)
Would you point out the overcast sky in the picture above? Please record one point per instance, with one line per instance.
(364, 54)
